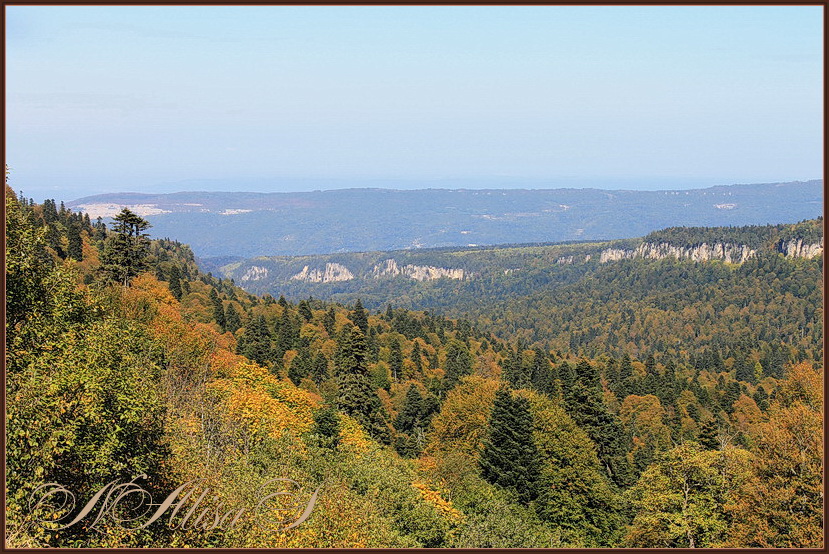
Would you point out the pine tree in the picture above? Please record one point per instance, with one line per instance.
(410, 414)
(585, 405)
(512, 367)
(541, 376)
(744, 370)
(416, 356)
(567, 377)
(510, 457)
(300, 366)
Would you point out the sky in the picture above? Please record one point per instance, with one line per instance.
(277, 98)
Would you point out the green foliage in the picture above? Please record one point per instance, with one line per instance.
(125, 251)
(680, 500)
(510, 458)
(458, 362)
(327, 426)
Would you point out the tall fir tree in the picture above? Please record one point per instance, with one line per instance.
(218, 309)
(255, 342)
(510, 457)
(126, 250)
(360, 317)
(458, 362)
(355, 395)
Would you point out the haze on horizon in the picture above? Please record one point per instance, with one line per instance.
(276, 98)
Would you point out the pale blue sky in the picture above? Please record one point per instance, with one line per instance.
(105, 99)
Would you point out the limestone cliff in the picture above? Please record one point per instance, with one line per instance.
(332, 273)
(389, 268)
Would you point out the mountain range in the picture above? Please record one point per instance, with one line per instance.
(241, 224)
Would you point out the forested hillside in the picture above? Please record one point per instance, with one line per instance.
(644, 403)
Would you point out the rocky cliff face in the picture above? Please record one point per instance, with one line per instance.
(726, 252)
(332, 273)
(797, 249)
(255, 273)
(389, 268)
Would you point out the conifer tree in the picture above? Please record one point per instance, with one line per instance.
(327, 426)
(175, 283)
(541, 376)
(458, 362)
(360, 317)
(75, 249)
(218, 309)
(510, 458)
(585, 405)
(319, 368)
(416, 356)
(329, 321)
(396, 360)
(709, 434)
(305, 310)
(125, 252)
(255, 343)
(355, 395)
(232, 319)
(300, 366)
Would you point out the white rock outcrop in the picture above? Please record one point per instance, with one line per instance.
(389, 268)
(726, 252)
(797, 249)
(332, 273)
(255, 273)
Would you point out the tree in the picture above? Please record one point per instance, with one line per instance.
(305, 310)
(329, 321)
(680, 501)
(125, 252)
(175, 283)
(709, 434)
(355, 395)
(232, 319)
(574, 492)
(510, 458)
(541, 376)
(255, 342)
(396, 360)
(360, 317)
(458, 362)
(319, 368)
(783, 506)
(218, 309)
(327, 426)
(585, 405)
(75, 249)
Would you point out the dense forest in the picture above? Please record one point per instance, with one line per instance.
(656, 403)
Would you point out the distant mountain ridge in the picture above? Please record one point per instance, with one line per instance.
(239, 224)
(427, 278)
